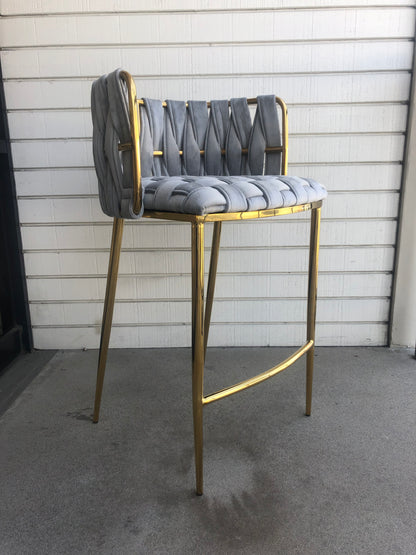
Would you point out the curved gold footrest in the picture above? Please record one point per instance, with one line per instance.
(259, 378)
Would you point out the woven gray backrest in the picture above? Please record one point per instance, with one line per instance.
(221, 128)
(222, 131)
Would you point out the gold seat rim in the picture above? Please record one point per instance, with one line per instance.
(232, 216)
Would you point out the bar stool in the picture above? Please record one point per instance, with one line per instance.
(197, 162)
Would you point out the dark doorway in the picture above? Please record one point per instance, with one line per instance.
(15, 330)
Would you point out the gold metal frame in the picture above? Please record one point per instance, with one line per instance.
(201, 316)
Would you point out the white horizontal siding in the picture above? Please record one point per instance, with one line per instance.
(58, 210)
(343, 67)
(70, 92)
(318, 149)
(25, 7)
(243, 311)
(162, 288)
(237, 259)
(154, 236)
(154, 289)
(237, 59)
(77, 124)
(179, 28)
(222, 335)
(83, 181)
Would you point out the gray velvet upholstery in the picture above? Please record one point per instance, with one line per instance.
(210, 194)
(192, 183)
(110, 118)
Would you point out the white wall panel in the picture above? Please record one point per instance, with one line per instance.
(341, 205)
(306, 88)
(222, 335)
(66, 124)
(83, 181)
(151, 236)
(343, 67)
(303, 149)
(236, 59)
(363, 259)
(178, 28)
(241, 310)
(164, 288)
(24, 7)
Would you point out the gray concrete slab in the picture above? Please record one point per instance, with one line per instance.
(341, 481)
(18, 374)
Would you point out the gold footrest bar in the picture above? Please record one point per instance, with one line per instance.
(260, 377)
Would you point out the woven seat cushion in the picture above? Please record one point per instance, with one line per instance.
(209, 194)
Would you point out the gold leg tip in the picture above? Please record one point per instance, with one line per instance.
(199, 493)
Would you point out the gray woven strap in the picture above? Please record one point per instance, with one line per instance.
(238, 137)
(151, 137)
(194, 138)
(218, 127)
(209, 194)
(265, 133)
(175, 118)
(110, 117)
(161, 130)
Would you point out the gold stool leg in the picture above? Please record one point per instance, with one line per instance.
(110, 293)
(198, 346)
(211, 280)
(312, 289)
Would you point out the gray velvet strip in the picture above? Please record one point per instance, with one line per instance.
(218, 124)
(153, 109)
(176, 115)
(265, 133)
(195, 131)
(238, 137)
(146, 144)
(176, 110)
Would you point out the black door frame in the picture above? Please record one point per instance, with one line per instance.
(15, 328)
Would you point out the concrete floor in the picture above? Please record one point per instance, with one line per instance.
(341, 481)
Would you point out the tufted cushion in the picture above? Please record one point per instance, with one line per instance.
(210, 194)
